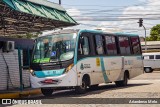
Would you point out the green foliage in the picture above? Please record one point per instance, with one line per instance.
(154, 34)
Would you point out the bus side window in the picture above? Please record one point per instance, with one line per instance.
(135, 45)
(124, 45)
(110, 44)
(84, 46)
(99, 44)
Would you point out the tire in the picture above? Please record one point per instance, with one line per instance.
(124, 82)
(93, 87)
(83, 88)
(46, 91)
(148, 70)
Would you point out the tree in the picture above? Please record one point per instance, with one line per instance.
(154, 34)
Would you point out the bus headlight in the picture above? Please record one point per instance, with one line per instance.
(69, 67)
(32, 72)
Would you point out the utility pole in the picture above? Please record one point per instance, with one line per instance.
(59, 2)
(145, 39)
(140, 25)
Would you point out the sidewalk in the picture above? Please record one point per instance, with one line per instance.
(18, 94)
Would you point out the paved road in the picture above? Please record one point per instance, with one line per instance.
(146, 85)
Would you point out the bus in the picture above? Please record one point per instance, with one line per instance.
(83, 59)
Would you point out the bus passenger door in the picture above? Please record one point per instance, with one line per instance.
(84, 61)
(98, 74)
(114, 67)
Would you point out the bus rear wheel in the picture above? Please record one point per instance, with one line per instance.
(46, 91)
(124, 82)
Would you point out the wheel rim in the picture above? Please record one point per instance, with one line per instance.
(147, 69)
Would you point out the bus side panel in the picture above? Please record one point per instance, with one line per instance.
(136, 63)
(90, 67)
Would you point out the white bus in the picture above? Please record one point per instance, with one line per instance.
(84, 58)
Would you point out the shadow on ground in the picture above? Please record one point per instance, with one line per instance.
(65, 94)
(100, 89)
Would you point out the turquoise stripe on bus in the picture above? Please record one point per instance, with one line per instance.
(103, 70)
(49, 73)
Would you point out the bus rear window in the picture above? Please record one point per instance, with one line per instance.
(135, 45)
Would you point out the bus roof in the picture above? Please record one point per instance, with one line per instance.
(85, 30)
(104, 32)
(128, 34)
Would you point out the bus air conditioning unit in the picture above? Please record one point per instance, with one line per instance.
(8, 46)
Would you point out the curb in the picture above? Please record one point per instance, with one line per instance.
(20, 94)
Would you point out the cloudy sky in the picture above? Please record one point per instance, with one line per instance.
(114, 15)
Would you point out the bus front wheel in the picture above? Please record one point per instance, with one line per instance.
(124, 82)
(82, 88)
(46, 91)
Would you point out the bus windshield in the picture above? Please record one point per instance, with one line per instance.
(54, 48)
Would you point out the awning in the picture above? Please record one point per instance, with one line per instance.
(22, 16)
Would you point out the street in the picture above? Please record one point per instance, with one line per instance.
(143, 86)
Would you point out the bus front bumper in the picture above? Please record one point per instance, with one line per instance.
(65, 80)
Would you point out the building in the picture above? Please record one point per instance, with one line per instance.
(9, 63)
(152, 46)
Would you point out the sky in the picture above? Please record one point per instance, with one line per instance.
(114, 15)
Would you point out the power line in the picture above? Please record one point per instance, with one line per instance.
(113, 19)
(110, 26)
(118, 15)
(109, 6)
